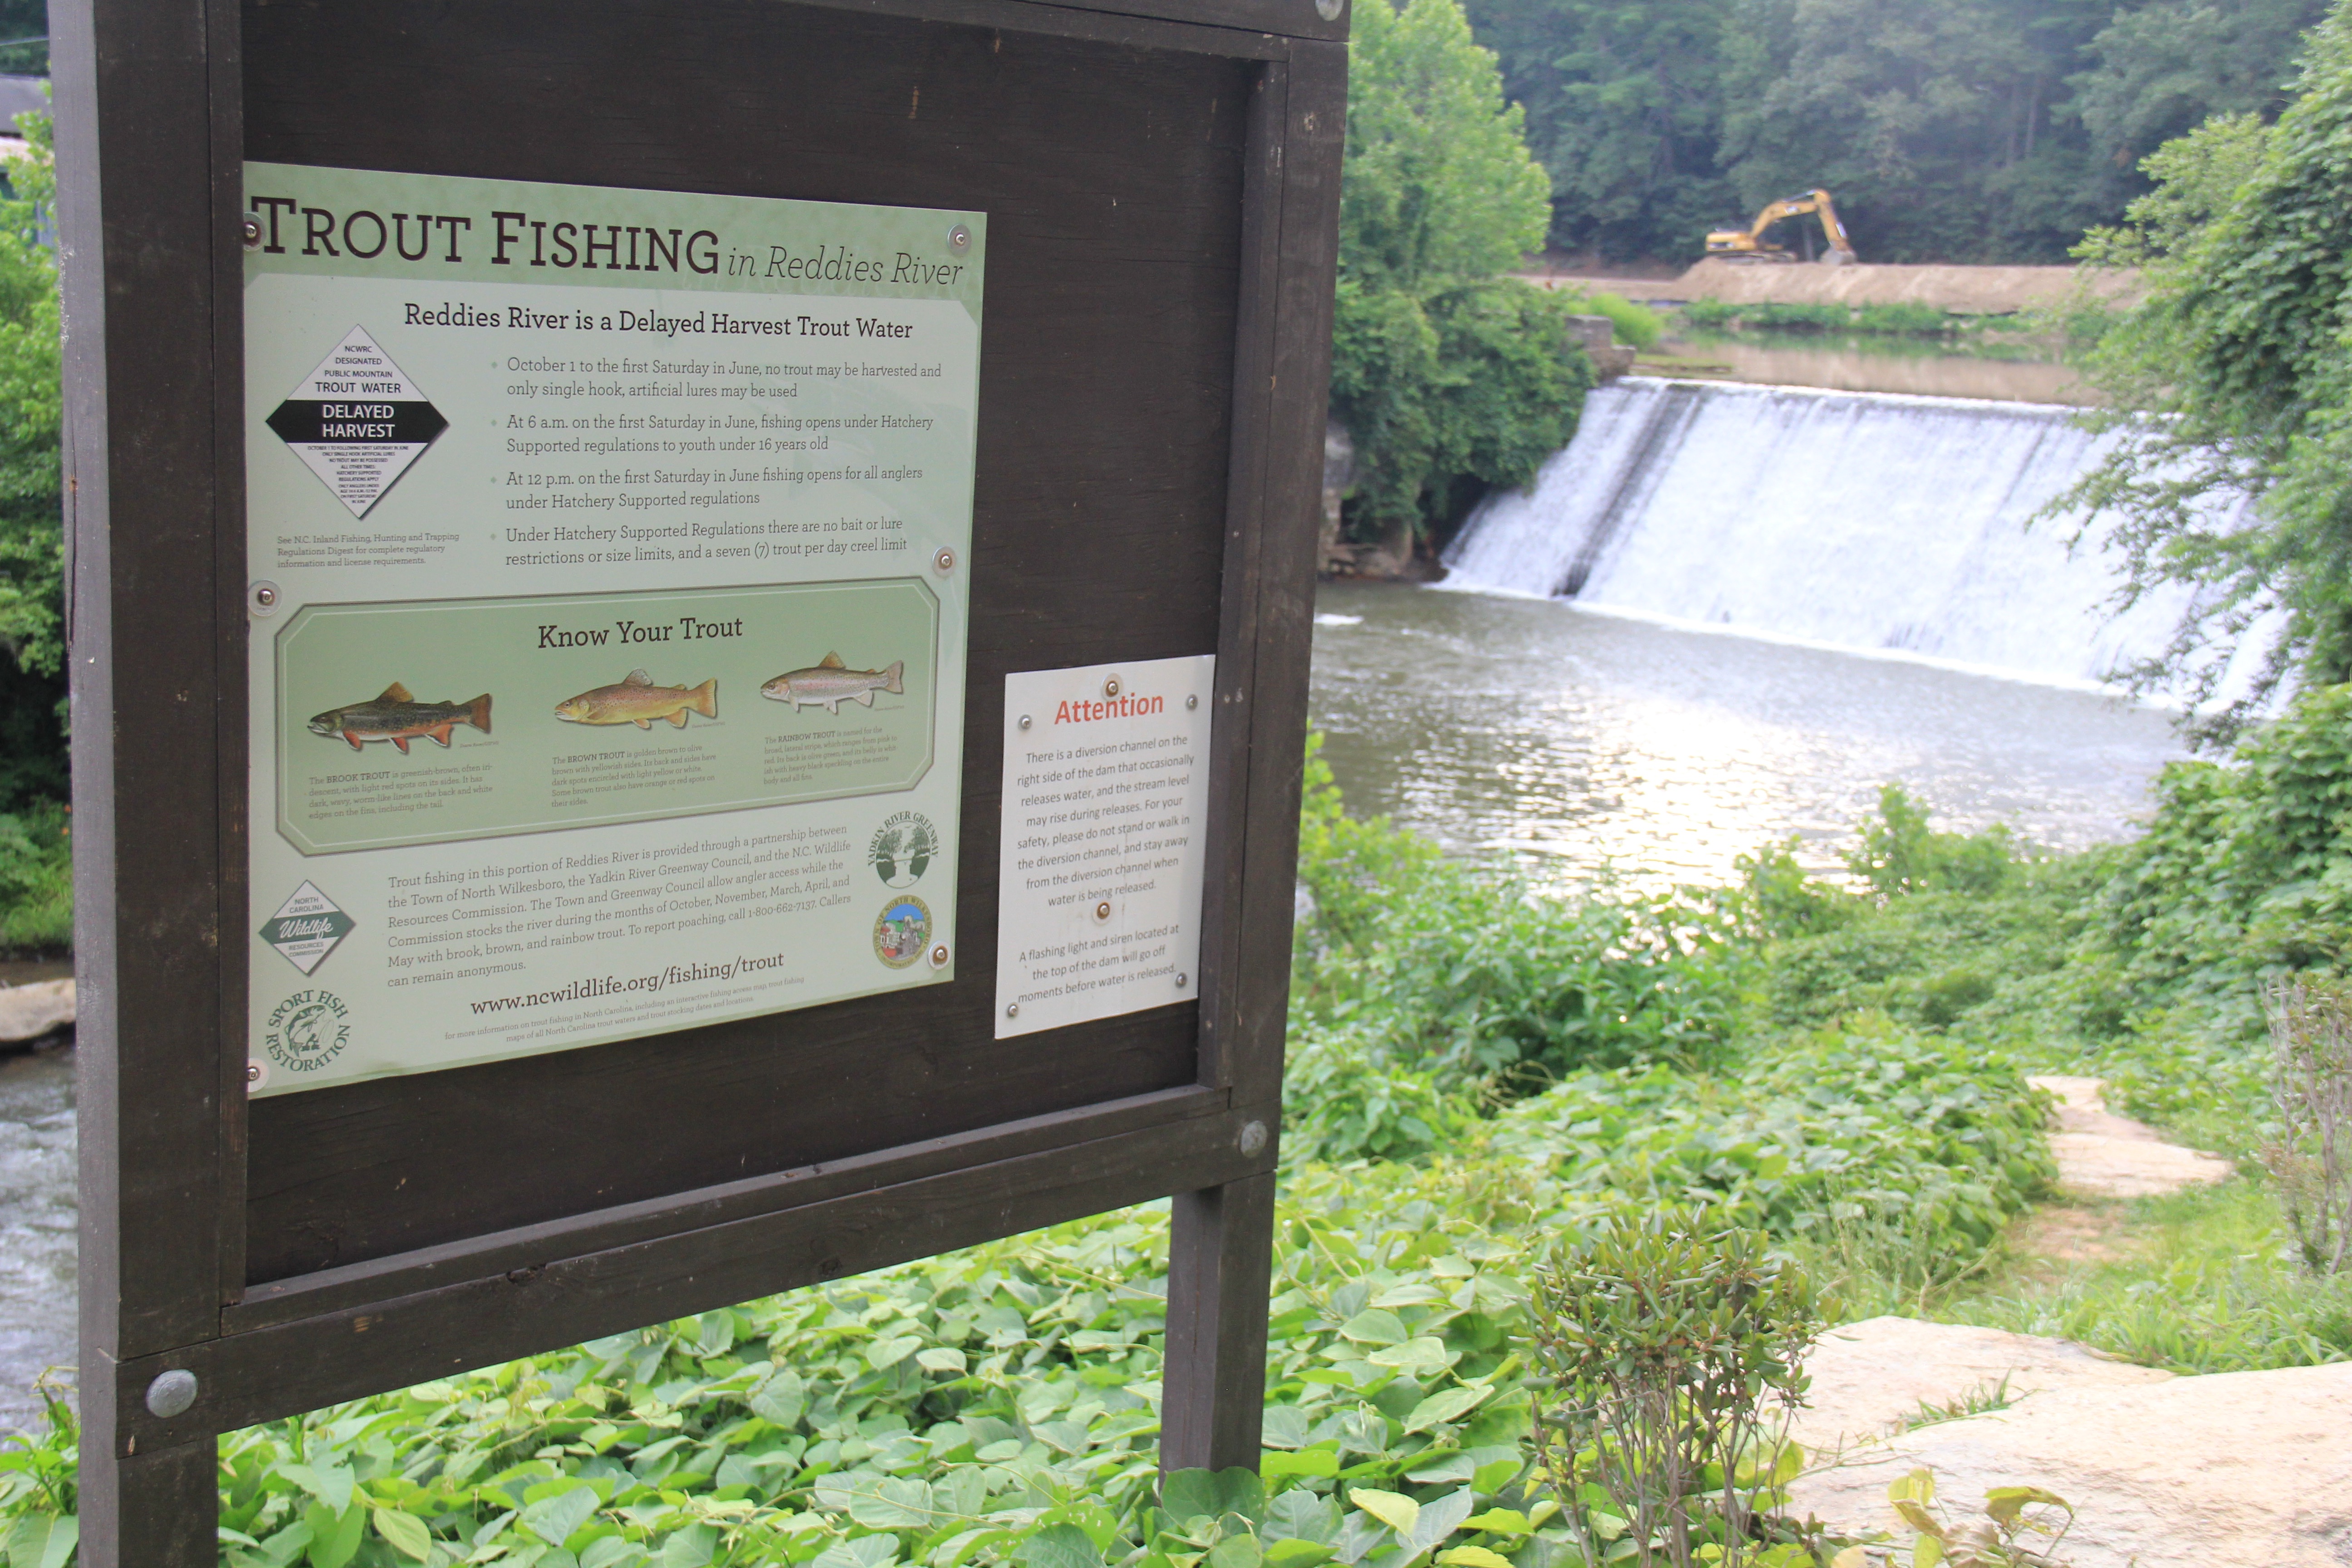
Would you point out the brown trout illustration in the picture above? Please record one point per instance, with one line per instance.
(637, 701)
(833, 683)
(399, 718)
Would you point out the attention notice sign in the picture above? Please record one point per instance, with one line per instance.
(1105, 797)
(608, 613)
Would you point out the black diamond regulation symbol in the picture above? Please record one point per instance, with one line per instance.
(357, 422)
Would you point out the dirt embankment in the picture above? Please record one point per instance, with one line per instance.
(1965, 290)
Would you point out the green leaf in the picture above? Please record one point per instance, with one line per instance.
(334, 1537)
(405, 1533)
(1190, 1494)
(1926, 1552)
(1300, 1515)
(1423, 1354)
(1297, 1553)
(884, 1355)
(1059, 1546)
(331, 1486)
(43, 1541)
(941, 1358)
(1442, 1406)
(694, 1546)
(1237, 1551)
(1324, 1462)
(1375, 1327)
(780, 1397)
(1472, 1557)
(1399, 1512)
(2006, 1503)
(1501, 1521)
(892, 1503)
(554, 1518)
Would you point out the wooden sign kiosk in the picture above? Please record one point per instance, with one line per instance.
(1155, 184)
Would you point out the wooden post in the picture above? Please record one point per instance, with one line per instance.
(1219, 1262)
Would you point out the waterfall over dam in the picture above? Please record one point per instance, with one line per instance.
(1882, 524)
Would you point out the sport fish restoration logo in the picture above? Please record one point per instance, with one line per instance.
(307, 1031)
(306, 928)
(357, 422)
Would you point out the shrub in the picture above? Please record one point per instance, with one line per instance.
(1669, 1349)
(1632, 324)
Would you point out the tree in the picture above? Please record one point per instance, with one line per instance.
(2230, 391)
(32, 544)
(1449, 377)
(1624, 106)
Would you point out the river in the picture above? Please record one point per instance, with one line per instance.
(36, 1227)
(1579, 738)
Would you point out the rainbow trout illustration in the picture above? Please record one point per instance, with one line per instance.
(399, 718)
(637, 701)
(833, 683)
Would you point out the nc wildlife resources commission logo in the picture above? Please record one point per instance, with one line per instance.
(902, 931)
(307, 1031)
(903, 849)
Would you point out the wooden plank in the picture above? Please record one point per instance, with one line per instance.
(224, 67)
(1079, 21)
(1226, 839)
(1284, 611)
(320, 1360)
(1292, 18)
(1100, 496)
(144, 663)
(530, 1246)
(1220, 1265)
(157, 1508)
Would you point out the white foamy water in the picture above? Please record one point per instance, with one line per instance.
(1862, 521)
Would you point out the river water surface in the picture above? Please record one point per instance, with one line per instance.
(1584, 740)
(36, 1227)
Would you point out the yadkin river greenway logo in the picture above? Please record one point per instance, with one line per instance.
(308, 1030)
(903, 849)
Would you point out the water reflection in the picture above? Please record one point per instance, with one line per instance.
(36, 1227)
(1582, 740)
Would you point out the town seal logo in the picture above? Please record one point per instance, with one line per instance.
(307, 1031)
(903, 849)
(901, 930)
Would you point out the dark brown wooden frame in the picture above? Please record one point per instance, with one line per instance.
(150, 136)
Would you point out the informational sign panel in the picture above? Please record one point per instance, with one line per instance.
(550, 633)
(1106, 805)
(610, 552)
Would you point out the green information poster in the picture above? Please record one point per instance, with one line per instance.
(609, 552)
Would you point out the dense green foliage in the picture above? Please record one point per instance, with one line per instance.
(1977, 130)
(1449, 376)
(1901, 320)
(2233, 379)
(32, 542)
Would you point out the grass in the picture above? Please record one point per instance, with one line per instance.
(2209, 1287)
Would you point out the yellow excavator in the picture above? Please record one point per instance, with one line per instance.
(1748, 245)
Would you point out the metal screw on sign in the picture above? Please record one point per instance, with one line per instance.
(1025, 721)
(1110, 687)
(1012, 1009)
(171, 1393)
(252, 232)
(960, 237)
(939, 956)
(1102, 910)
(944, 560)
(262, 598)
(253, 1072)
(1194, 700)
(1253, 1137)
(1182, 980)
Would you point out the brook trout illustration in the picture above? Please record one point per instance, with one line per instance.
(637, 701)
(399, 718)
(833, 683)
